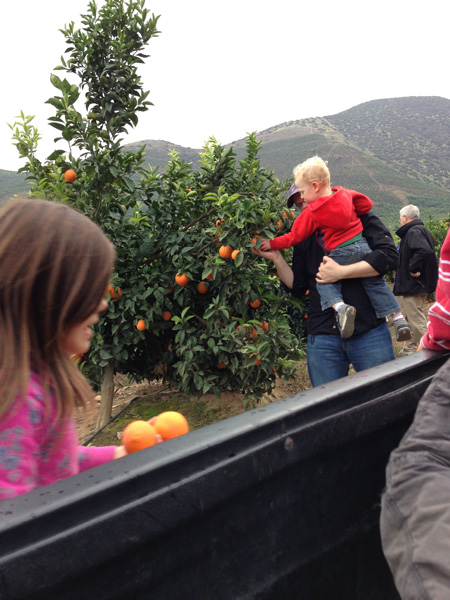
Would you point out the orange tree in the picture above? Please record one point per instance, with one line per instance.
(230, 327)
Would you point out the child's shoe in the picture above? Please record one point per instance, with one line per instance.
(345, 317)
(402, 330)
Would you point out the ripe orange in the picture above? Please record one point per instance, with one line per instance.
(138, 435)
(225, 252)
(76, 357)
(141, 325)
(284, 214)
(255, 304)
(182, 279)
(279, 224)
(167, 315)
(264, 325)
(119, 292)
(171, 424)
(70, 175)
(221, 365)
(234, 254)
(307, 293)
(219, 222)
(257, 361)
(210, 276)
(112, 292)
(202, 288)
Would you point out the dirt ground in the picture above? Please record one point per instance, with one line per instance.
(229, 404)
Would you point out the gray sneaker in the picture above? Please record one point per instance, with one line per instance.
(402, 330)
(345, 317)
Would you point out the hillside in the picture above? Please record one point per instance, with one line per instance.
(396, 151)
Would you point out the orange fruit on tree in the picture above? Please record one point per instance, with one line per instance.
(171, 424)
(219, 222)
(202, 288)
(119, 292)
(255, 304)
(257, 361)
(112, 292)
(171, 289)
(221, 365)
(138, 435)
(210, 276)
(70, 175)
(141, 325)
(264, 325)
(225, 252)
(234, 254)
(167, 315)
(279, 224)
(182, 279)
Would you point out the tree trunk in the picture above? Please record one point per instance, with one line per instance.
(107, 394)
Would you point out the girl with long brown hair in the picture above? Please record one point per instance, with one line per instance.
(55, 265)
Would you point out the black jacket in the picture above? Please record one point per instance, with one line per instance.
(416, 255)
(306, 260)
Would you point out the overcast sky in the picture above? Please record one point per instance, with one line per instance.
(224, 69)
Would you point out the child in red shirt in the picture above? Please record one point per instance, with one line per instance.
(333, 213)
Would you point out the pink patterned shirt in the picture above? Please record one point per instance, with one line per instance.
(34, 451)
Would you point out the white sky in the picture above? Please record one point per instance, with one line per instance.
(224, 69)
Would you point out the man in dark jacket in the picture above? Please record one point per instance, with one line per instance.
(328, 355)
(417, 274)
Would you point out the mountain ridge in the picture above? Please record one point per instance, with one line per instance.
(395, 150)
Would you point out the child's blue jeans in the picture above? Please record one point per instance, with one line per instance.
(380, 294)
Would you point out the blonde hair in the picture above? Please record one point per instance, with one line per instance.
(313, 169)
(55, 264)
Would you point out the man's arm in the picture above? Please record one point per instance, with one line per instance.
(383, 258)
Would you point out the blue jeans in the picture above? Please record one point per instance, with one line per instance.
(381, 297)
(329, 356)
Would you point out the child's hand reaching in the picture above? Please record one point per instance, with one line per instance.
(265, 245)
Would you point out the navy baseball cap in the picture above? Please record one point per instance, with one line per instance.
(292, 191)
